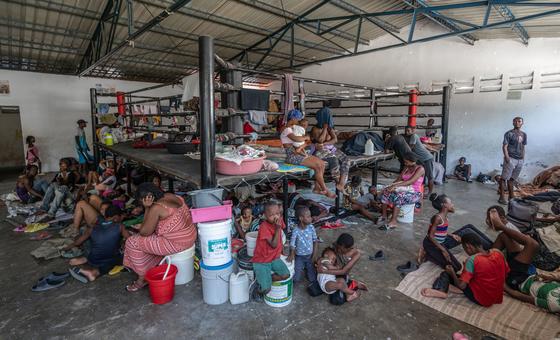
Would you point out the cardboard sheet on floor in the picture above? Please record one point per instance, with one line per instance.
(512, 319)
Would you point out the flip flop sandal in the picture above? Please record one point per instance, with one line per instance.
(70, 254)
(378, 256)
(133, 288)
(118, 269)
(54, 276)
(47, 284)
(75, 272)
(387, 227)
(407, 267)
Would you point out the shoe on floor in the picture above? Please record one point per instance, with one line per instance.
(407, 267)
(47, 284)
(378, 256)
(75, 272)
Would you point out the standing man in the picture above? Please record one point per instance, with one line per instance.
(82, 148)
(424, 156)
(514, 152)
(396, 143)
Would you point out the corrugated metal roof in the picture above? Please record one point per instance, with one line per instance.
(53, 35)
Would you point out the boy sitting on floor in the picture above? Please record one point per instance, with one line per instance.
(303, 244)
(462, 171)
(105, 237)
(266, 258)
(483, 277)
(356, 199)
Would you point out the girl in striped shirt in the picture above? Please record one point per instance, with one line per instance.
(437, 241)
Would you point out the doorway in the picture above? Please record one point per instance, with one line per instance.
(11, 139)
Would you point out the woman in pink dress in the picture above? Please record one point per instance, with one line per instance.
(167, 229)
(406, 189)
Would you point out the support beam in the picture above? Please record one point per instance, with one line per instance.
(507, 14)
(207, 119)
(97, 58)
(386, 26)
(442, 36)
(281, 29)
(438, 19)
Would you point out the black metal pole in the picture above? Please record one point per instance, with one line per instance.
(170, 183)
(445, 124)
(374, 171)
(93, 103)
(286, 197)
(128, 179)
(207, 119)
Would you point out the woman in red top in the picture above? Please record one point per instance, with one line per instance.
(167, 229)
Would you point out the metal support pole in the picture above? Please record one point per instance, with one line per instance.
(231, 100)
(301, 96)
(93, 103)
(207, 118)
(286, 197)
(128, 179)
(336, 202)
(170, 184)
(374, 174)
(372, 109)
(446, 98)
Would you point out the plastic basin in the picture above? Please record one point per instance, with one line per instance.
(247, 167)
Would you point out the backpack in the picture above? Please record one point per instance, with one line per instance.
(522, 213)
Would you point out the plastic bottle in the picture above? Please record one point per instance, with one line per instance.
(437, 138)
(369, 148)
(108, 138)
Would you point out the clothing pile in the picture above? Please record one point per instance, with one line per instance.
(240, 154)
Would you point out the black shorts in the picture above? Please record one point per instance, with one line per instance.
(470, 295)
(518, 272)
(428, 168)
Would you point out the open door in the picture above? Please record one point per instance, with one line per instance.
(11, 139)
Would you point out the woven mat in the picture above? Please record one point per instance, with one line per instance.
(512, 319)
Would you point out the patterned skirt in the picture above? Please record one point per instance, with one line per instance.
(400, 198)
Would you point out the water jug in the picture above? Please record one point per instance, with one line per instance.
(238, 288)
(369, 148)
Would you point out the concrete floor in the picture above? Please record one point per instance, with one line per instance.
(103, 309)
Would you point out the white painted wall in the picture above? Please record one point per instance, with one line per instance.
(51, 105)
(479, 120)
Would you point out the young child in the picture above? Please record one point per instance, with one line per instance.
(105, 239)
(300, 131)
(329, 283)
(437, 242)
(156, 179)
(353, 192)
(266, 258)
(303, 244)
(244, 221)
(462, 171)
(482, 281)
(32, 155)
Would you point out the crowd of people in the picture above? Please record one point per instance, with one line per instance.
(163, 225)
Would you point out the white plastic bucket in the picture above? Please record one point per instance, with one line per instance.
(290, 265)
(215, 242)
(184, 261)
(215, 283)
(280, 294)
(406, 214)
(238, 288)
(251, 239)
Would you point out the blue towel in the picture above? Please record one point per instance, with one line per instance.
(323, 116)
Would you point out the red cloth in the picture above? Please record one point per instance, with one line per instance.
(247, 128)
(264, 253)
(485, 275)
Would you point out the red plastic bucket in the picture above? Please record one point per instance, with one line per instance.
(161, 280)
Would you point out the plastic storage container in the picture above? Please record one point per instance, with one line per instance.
(215, 242)
(205, 198)
(247, 167)
(215, 283)
(216, 213)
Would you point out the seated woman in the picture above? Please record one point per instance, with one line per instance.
(167, 229)
(324, 138)
(60, 188)
(406, 189)
(288, 138)
(105, 238)
(28, 188)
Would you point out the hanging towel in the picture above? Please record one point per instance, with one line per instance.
(252, 99)
(287, 100)
(324, 116)
(192, 87)
(257, 117)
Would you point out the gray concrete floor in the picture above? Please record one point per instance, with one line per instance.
(103, 309)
